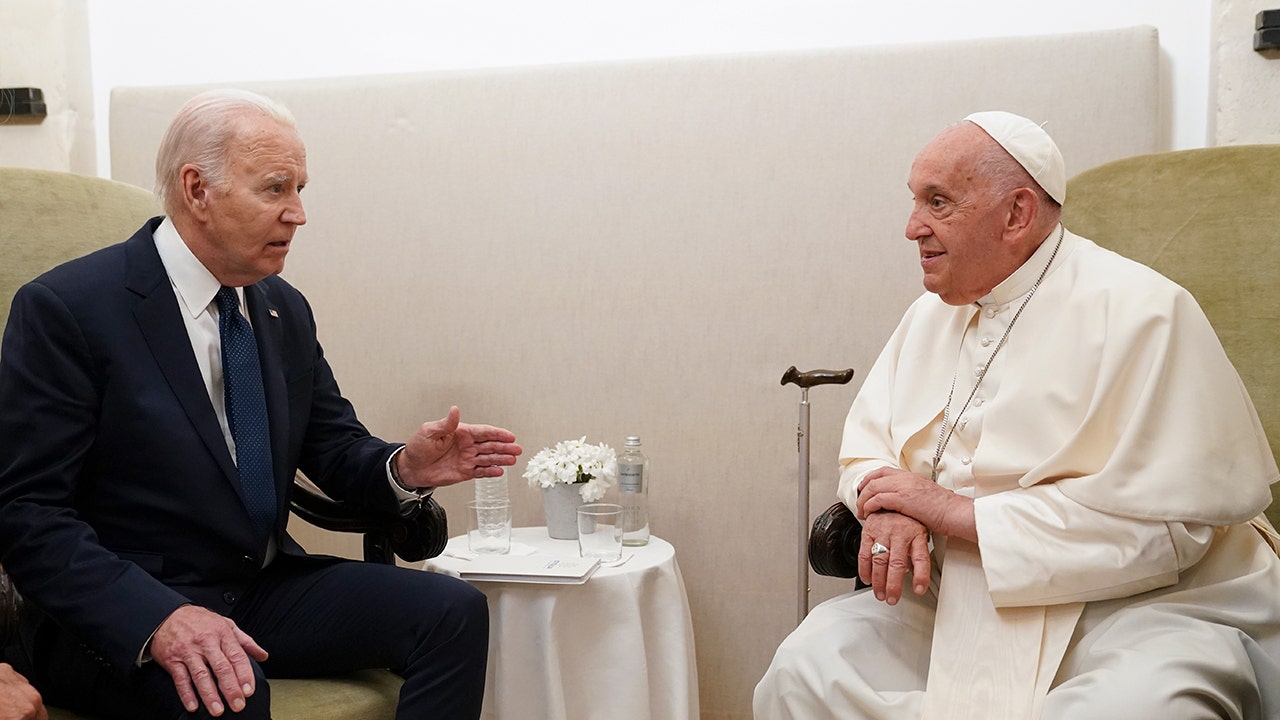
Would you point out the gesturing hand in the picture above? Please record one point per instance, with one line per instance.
(18, 700)
(446, 451)
(206, 653)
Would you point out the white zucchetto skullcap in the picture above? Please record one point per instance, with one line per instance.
(1030, 145)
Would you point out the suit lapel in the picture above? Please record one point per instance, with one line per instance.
(160, 321)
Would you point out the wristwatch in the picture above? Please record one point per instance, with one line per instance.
(406, 494)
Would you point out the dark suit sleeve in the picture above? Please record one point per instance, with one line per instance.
(49, 406)
(334, 449)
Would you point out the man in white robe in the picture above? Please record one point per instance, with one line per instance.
(1092, 546)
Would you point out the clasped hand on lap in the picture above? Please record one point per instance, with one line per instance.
(899, 510)
(205, 653)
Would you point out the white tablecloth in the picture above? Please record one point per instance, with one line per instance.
(619, 646)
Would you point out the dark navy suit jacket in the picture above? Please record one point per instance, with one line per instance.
(119, 499)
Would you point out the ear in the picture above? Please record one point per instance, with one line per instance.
(1023, 211)
(195, 191)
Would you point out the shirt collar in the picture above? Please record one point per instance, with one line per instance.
(194, 285)
(1020, 282)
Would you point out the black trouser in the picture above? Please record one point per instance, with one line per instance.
(315, 617)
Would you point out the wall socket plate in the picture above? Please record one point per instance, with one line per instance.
(22, 105)
(1267, 26)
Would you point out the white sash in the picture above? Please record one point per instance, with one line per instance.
(988, 662)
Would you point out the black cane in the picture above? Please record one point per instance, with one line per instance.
(807, 380)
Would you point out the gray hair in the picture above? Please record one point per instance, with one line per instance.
(201, 135)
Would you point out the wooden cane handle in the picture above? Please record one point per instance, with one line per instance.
(816, 377)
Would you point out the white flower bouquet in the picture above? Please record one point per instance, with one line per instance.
(574, 462)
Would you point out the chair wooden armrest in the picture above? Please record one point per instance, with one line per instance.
(834, 541)
(11, 605)
(420, 532)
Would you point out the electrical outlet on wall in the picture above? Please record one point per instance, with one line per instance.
(1267, 26)
(22, 105)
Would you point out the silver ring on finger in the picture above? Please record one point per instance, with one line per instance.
(878, 549)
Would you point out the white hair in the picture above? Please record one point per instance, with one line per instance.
(201, 135)
(1005, 173)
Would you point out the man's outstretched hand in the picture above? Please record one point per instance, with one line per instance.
(446, 451)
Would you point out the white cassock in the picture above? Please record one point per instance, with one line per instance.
(1116, 463)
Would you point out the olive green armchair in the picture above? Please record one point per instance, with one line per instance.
(1208, 219)
(49, 217)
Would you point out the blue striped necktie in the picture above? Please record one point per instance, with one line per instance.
(246, 411)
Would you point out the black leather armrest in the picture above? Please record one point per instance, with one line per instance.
(834, 541)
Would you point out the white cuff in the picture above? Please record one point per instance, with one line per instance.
(404, 494)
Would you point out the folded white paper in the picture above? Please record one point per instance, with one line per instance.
(529, 569)
(462, 553)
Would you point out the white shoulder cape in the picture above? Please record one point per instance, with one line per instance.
(1113, 386)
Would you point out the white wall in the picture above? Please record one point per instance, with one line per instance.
(1244, 100)
(159, 42)
(45, 44)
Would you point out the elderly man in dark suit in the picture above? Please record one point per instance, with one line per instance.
(156, 398)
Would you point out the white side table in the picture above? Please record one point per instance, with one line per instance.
(619, 646)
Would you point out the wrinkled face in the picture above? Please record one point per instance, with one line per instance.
(958, 220)
(251, 219)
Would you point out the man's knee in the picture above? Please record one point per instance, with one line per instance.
(474, 602)
(447, 665)
(1150, 664)
(1165, 690)
(470, 611)
(256, 706)
(459, 617)
(156, 696)
(793, 684)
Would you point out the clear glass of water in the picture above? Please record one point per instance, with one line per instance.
(489, 527)
(600, 531)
